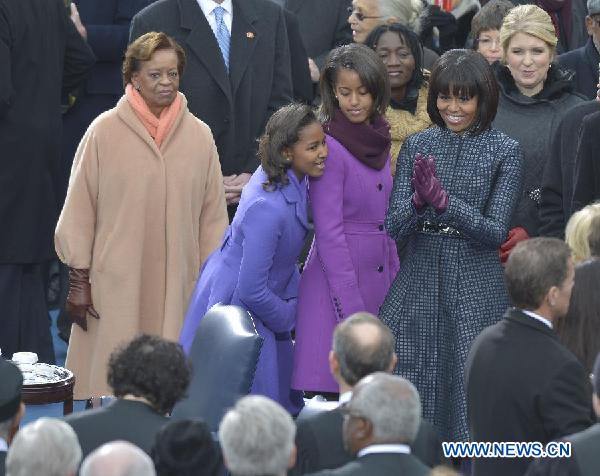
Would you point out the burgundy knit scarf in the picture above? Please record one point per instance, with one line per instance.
(369, 143)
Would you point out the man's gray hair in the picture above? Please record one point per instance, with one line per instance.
(406, 12)
(45, 447)
(392, 405)
(117, 458)
(257, 437)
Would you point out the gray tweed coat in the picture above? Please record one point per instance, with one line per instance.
(450, 288)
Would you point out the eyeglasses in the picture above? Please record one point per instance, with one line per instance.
(359, 16)
(596, 20)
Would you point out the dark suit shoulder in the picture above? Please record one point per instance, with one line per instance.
(380, 464)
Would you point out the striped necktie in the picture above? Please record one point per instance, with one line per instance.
(223, 37)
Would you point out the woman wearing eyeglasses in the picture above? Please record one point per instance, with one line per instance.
(366, 15)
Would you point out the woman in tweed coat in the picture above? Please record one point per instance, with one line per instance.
(454, 212)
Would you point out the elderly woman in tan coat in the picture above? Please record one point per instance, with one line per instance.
(144, 209)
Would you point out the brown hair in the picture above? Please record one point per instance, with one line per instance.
(533, 267)
(144, 48)
(370, 69)
(579, 330)
(490, 17)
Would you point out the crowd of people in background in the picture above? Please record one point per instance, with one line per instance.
(400, 193)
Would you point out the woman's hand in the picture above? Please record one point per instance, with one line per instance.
(428, 186)
(79, 299)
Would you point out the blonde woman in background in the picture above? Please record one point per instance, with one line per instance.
(578, 231)
(535, 94)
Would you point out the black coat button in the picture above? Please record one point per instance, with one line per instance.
(380, 227)
(380, 269)
(379, 186)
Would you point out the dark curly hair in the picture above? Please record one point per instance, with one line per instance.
(152, 368)
(185, 448)
(282, 130)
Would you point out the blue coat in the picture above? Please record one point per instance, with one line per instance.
(256, 268)
(450, 288)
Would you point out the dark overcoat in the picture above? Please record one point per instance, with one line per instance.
(41, 54)
(523, 385)
(236, 106)
(449, 288)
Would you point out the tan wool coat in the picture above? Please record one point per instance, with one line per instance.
(404, 124)
(143, 221)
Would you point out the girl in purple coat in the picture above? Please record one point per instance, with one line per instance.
(352, 262)
(255, 267)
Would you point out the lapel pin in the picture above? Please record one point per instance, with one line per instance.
(250, 35)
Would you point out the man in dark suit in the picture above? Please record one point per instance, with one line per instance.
(148, 376)
(522, 383)
(584, 60)
(237, 73)
(361, 345)
(41, 55)
(558, 177)
(586, 184)
(323, 26)
(381, 420)
(11, 407)
(585, 457)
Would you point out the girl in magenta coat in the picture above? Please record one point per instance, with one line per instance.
(352, 262)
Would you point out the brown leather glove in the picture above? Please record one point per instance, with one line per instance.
(79, 299)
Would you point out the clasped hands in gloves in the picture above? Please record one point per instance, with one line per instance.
(79, 298)
(427, 187)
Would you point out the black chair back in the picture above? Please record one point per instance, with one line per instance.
(224, 356)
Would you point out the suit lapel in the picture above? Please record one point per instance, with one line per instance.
(202, 43)
(244, 36)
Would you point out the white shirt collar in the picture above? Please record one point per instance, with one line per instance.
(345, 397)
(373, 449)
(537, 317)
(3, 445)
(207, 6)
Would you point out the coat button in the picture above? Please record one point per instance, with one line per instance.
(380, 227)
(379, 187)
(380, 269)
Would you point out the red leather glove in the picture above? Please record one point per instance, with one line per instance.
(79, 298)
(515, 235)
(428, 186)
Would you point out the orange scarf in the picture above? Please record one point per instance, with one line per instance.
(157, 127)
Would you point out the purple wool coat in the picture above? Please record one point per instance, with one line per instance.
(256, 268)
(351, 264)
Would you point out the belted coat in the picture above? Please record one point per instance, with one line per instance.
(450, 287)
(351, 264)
(256, 269)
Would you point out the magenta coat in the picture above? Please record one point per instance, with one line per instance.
(352, 262)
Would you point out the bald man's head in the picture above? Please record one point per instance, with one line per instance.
(362, 344)
(118, 458)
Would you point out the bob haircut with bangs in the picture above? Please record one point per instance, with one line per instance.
(370, 69)
(464, 73)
